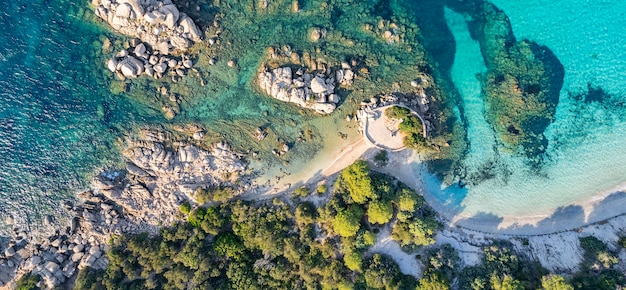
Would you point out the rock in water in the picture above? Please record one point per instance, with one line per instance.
(300, 89)
(156, 23)
(112, 64)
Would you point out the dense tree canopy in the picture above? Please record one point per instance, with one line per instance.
(358, 182)
(347, 222)
(379, 212)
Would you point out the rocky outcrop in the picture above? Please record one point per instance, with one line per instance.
(141, 59)
(56, 259)
(158, 23)
(160, 175)
(307, 90)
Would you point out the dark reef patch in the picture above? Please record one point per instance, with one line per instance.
(523, 80)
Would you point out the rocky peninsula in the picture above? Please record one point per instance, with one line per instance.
(160, 176)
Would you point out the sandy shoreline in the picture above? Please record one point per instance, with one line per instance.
(405, 165)
(590, 210)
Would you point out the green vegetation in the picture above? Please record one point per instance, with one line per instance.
(276, 245)
(381, 158)
(272, 245)
(411, 126)
(28, 282)
(555, 282)
(185, 207)
(502, 268)
(379, 212)
(302, 191)
(216, 194)
(348, 222)
(358, 182)
(597, 268)
(321, 189)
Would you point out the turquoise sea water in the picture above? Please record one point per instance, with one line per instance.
(59, 120)
(57, 124)
(585, 155)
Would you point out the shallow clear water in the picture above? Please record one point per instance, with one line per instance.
(59, 120)
(585, 155)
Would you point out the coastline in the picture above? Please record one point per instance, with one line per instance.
(595, 209)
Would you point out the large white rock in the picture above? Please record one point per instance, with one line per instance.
(140, 49)
(160, 68)
(170, 9)
(318, 85)
(112, 64)
(123, 11)
(131, 67)
(323, 108)
(189, 27)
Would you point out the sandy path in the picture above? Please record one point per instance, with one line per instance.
(385, 245)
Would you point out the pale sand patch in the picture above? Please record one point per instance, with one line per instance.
(385, 245)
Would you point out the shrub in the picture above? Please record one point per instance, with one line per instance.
(353, 261)
(302, 191)
(379, 212)
(358, 181)
(28, 282)
(321, 189)
(381, 158)
(348, 222)
(555, 282)
(185, 207)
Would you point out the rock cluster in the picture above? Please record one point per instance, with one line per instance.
(312, 91)
(56, 259)
(161, 177)
(140, 59)
(158, 23)
(144, 197)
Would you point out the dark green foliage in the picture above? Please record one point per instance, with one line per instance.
(217, 194)
(622, 242)
(305, 214)
(185, 207)
(381, 272)
(358, 182)
(597, 267)
(302, 191)
(504, 269)
(381, 158)
(28, 282)
(196, 216)
(263, 228)
(227, 244)
(411, 126)
(89, 279)
(214, 219)
(433, 281)
(592, 245)
(443, 262)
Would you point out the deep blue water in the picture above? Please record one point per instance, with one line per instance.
(58, 121)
